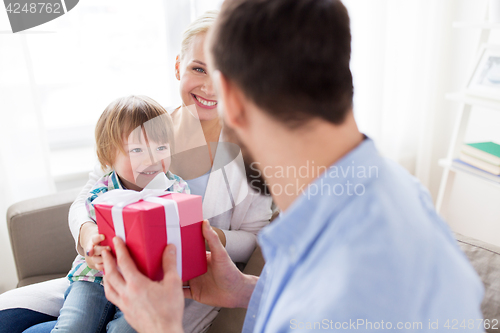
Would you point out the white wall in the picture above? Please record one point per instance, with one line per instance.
(400, 107)
(474, 207)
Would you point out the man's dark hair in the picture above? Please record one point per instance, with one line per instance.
(290, 57)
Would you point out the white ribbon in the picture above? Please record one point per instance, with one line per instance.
(120, 198)
(173, 226)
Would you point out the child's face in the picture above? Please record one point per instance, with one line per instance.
(196, 86)
(142, 162)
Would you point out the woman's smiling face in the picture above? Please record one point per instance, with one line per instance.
(196, 86)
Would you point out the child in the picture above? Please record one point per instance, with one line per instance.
(134, 138)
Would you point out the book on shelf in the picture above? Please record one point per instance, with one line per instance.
(480, 164)
(458, 164)
(488, 152)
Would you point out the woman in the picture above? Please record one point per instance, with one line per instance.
(208, 164)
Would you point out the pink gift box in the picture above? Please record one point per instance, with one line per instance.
(146, 234)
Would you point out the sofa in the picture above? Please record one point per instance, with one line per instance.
(41, 223)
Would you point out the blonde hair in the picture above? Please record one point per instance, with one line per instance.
(198, 26)
(130, 115)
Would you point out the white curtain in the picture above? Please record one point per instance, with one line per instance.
(24, 165)
(406, 56)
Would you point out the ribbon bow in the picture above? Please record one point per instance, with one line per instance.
(157, 187)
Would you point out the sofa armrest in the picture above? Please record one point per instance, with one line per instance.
(41, 242)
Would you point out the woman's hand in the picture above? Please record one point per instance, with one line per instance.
(90, 240)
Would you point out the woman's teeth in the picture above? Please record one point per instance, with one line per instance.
(204, 102)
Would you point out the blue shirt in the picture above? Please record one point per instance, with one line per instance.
(198, 186)
(363, 249)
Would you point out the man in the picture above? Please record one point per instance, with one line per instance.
(359, 245)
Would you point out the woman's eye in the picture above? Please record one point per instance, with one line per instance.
(136, 150)
(162, 148)
(199, 70)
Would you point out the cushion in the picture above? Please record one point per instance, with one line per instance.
(486, 260)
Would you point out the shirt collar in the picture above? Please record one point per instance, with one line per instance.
(115, 182)
(296, 228)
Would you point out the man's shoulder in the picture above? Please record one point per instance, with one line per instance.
(372, 261)
(392, 227)
(381, 253)
(394, 215)
(393, 192)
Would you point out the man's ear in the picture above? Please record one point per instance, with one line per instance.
(231, 101)
(177, 68)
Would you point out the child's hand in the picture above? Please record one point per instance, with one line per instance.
(90, 240)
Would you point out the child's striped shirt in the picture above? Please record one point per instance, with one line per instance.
(80, 271)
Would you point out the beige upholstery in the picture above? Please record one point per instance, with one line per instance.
(39, 234)
(486, 260)
(44, 249)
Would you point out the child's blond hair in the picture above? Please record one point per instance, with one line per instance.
(130, 115)
(198, 26)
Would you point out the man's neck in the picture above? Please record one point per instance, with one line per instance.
(295, 158)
